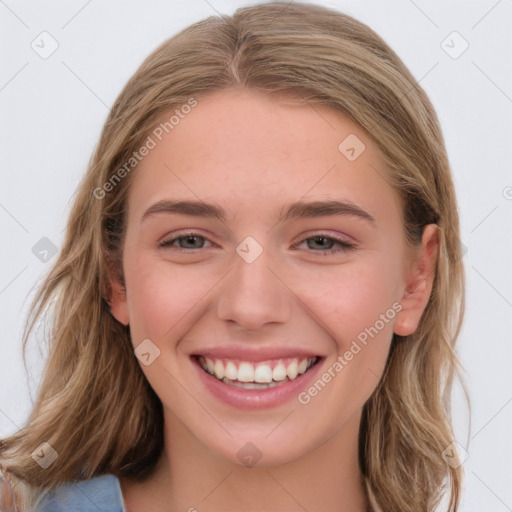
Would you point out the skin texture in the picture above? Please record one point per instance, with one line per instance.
(253, 155)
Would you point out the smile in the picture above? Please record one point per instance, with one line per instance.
(263, 375)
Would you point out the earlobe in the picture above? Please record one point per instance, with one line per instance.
(419, 281)
(117, 300)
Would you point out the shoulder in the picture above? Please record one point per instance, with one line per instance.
(98, 493)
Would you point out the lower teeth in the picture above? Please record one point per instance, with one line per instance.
(253, 385)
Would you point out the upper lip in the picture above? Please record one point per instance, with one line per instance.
(254, 354)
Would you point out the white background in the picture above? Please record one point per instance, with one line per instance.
(52, 111)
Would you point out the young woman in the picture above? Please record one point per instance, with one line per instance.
(257, 300)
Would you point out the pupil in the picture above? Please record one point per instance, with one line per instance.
(318, 240)
(190, 239)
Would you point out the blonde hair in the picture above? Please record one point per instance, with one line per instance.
(94, 405)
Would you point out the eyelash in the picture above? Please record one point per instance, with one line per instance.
(345, 246)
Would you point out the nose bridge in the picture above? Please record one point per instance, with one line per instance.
(252, 295)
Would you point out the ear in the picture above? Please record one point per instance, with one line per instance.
(117, 299)
(419, 281)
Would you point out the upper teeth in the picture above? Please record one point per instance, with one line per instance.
(245, 371)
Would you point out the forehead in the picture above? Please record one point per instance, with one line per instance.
(245, 148)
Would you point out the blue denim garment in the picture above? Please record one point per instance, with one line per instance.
(98, 494)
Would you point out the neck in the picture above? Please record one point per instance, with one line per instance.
(189, 477)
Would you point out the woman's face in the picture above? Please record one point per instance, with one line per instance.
(263, 239)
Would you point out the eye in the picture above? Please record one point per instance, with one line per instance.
(189, 240)
(319, 243)
(324, 244)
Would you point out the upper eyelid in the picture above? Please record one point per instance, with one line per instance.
(324, 234)
(172, 237)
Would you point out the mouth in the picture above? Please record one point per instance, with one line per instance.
(251, 375)
(256, 384)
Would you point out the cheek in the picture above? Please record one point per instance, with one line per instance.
(357, 310)
(351, 298)
(357, 306)
(162, 297)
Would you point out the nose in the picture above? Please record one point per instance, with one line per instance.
(254, 294)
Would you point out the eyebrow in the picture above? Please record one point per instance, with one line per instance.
(300, 209)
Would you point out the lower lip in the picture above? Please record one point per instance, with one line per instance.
(257, 398)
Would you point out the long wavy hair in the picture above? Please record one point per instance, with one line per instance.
(94, 405)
